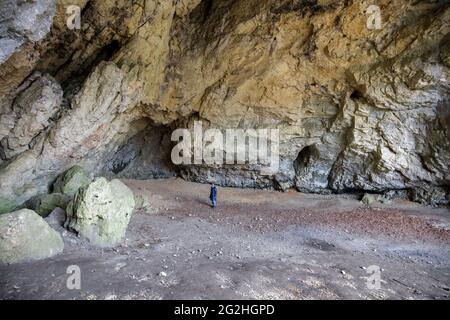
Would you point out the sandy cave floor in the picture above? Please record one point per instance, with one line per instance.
(255, 245)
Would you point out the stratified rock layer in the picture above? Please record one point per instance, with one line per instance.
(359, 109)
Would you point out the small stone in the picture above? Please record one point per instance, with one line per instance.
(120, 266)
(368, 199)
(143, 204)
(162, 274)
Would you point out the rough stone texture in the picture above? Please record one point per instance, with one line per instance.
(25, 236)
(72, 180)
(358, 109)
(101, 212)
(144, 156)
(96, 124)
(29, 116)
(45, 204)
(368, 199)
(23, 21)
(434, 196)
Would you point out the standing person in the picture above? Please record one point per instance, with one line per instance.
(213, 196)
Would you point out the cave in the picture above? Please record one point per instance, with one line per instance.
(339, 111)
(305, 158)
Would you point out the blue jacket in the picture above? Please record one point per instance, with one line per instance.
(213, 194)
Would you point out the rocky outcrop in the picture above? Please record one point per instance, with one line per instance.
(25, 236)
(95, 126)
(22, 22)
(358, 109)
(101, 212)
(30, 115)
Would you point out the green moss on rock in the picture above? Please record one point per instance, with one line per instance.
(72, 180)
(101, 212)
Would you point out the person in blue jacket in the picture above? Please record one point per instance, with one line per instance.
(213, 196)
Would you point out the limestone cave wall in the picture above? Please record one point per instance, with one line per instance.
(358, 109)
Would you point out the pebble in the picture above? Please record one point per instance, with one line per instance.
(120, 266)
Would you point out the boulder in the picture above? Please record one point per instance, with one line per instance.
(25, 236)
(101, 212)
(368, 199)
(72, 180)
(44, 205)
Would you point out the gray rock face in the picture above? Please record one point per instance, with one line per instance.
(431, 196)
(25, 236)
(358, 109)
(31, 114)
(370, 126)
(101, 212)
(22, 21)
(95, 126)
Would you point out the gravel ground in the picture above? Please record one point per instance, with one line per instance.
(255, 245)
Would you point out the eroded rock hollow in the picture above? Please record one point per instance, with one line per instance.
(358, 108)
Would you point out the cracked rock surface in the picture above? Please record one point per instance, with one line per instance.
(358, 109)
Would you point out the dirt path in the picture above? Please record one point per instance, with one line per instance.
(255, 245)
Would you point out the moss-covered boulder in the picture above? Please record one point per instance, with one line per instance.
(72, 180)
(25, 236)
(45, 204)
(101, 212)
